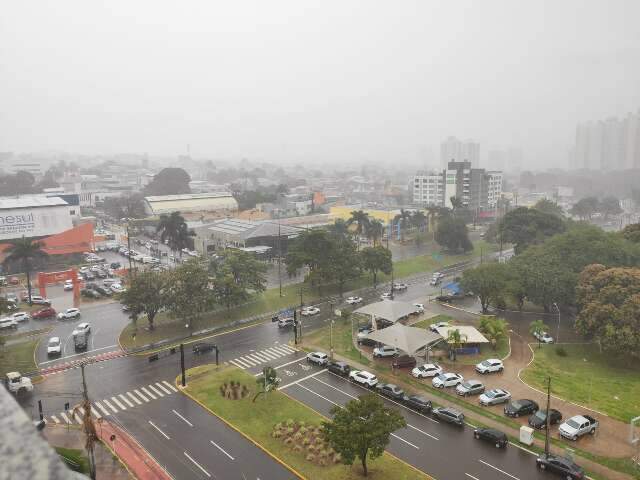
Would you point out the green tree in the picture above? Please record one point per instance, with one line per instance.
(487, 281)
(403, 219)
(527, 226)
(452, 234)
(236, 276)
(25, 251)
(311, 249)
(419, 220)
(344, 263)
(148, 293)
(376, 231)
(169, 181)
(609, 206)
(376, 259)
(609, 308)
(174, 229)
(362, 429)
(127, 206)
(455, 340)
(537, 328)
(267, 382)
(585, 208)
(189, 295)
(362, 222)
(339, 228)
(494, 329)
(632, 232)
(547, 206)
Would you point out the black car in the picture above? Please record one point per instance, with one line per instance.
(517, 408)
(491, 435)
(103, 291)
(390, 390)
(115, 265)
(339, 368)
(539, 419)
(560, 465)
(202, 347)
(89, 293)
(417, 403)
(449, 415)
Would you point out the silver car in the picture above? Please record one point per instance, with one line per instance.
(494, 397)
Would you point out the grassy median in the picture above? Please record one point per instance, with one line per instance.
(18, 357)
(257, 420)
(342, 341)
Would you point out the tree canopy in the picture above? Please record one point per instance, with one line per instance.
(376, 259)
(236, 275)
(527, 226)
(147, 294)
(452, 234)
(632, 232)
(169, 181)
(127, 206)
(487, 281)
(547, 206)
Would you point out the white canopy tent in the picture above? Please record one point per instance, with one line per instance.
(469, 333)
(407, 339)
(389, 310)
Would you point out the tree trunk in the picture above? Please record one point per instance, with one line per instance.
(375, 279)
(364, 464)
(151, 318)
(27, 269)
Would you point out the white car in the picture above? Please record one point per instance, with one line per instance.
(490, 365)
(400, 287)
(81, 328)
(54, 346)
(435, 326)
(117, 288)
(363, 378)
(8, 322)
(69, 313)
(318, 358)
(427, 370)
(543, 337)
(68, 285)
(38, 300)
(21, 316)
(385, 296)
(494, 397)
(447, 380)
(354, 300)
(385, 351)
(419, 307)
(308, 311)
(361, 337)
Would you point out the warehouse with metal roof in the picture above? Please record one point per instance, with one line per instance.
(220, 203)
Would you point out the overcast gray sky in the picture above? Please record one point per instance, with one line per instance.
(314, 81)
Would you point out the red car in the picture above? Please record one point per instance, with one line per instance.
(44, 313)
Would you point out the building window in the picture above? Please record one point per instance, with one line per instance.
(72, 212)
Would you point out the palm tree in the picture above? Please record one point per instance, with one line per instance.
(495, 329)
(26, 251)
(419, 219)
(174, 228)
(404, 217)
(340, 227)
(537, 328)
(362, 221)
(456, 204)
(376, 231)
(456, 340)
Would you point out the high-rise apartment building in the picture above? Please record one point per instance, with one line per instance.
(509, 159)
(428, 189)
(454, 150)
(611, 144)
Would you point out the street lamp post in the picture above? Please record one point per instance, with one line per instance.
(331, 331)
(558, 329)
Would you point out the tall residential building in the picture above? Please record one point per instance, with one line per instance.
(428, 189)
(454, 150)
(610, 144)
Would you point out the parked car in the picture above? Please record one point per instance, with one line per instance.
(491, 435)
(470, 387)
(319, 358)
(308, 311)
(417, 403)
(447, 380)
(202, 347)
(390, 390)
(577, 426)
(419, 308)
(539, 419)
(362, 339)
(427, 370)
(285, 322)
(69, 313)
(400, 287)
(435, 326)
(518, 408)
(385, 351)
(339, 368)
(54, 346)
(363, 378)
(543, 337)
(88, 293)
(354, 300)
(81, 328)
(449, 415)
(385, 296)
(494, 397)
(38, 300)
(404, 361)
(103, 291)
(68, 285)
(21, 316)
(8, 322)
(115, 265)
(561, 466)
(44, 313)
(490, 365)
(117, 288)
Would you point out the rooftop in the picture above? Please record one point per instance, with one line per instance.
(30, 201)
(245, 229)
(186, 196)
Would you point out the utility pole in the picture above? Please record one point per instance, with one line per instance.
(279, 258)
(295, 326)
(129, 250)
(184, 376)
(546, 435)
(331, 330)
(388, 235)
(558, 329)
(88, 426)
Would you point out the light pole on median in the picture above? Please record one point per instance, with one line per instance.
(558, 329)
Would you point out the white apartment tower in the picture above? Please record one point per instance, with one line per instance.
(454, 150)
(428, 189)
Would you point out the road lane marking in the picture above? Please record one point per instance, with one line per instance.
(297, 360)
(244, 364)
(471, 476)
(55, 419)
(106, 402)
(77, 354)
(281, 351)
(405, 441)
(262, 356)
(197, 465)
(155, 390)
(287, 348)
(252, 363)
(141, 395)
(170, 386)
(268, 354)
(236, 364)
(134, 398)
(156, 427)
(221, 449)
(153, 397)
(185, 420)
(96, 413)
(335, 388)
(104, 410)
(302, 379)
(254, 359)
(126, 400)
(118, 403)
(273, 352)
(422, 431)
(497, 469)
(161, 387)
(64, 417)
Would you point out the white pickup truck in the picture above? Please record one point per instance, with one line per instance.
(577, 426)
(18, 384)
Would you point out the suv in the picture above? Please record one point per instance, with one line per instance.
(470, 387)
(539, 419)
(285, 322)
(517, 408)
(449, 415)
(21, 316)
(339, 368)
(81, 328)
(318, 358)
(390, 390)
(69, 313)
(354, 300)
(8, 322)
(427, 370)
(53, 346)
(417, 403)
(385, 351)
(490, 365)
(543, 337)
(491, 435)
(404, 361)
(560, 465)
(202, 347)
(363, 378)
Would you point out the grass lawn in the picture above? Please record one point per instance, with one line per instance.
(486, 351)
(342, 341)
(587, 377)
(256, 420)
(17, 357)
(75, 459)
(428, 321)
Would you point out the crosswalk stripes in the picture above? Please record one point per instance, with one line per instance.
(134, 398)
(147, 392)
(259, 357)
(171, 387)
(55, 419)
(118, 403)
(64, 417)
(162, 387)
(125, 400)
(102, 409)
(141, 395)
(106, 402)
(155, 390)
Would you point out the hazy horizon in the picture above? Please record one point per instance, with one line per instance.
(314, 82)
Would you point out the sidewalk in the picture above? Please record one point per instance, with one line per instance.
(137, 460)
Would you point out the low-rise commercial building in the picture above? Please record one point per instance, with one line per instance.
(220, 203)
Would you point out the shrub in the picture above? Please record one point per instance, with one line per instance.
(306, 441)
(288, 441)
(297, 436)
(290, 422)
(337, 458)
(303, 430)
(561, 352)
(311, 457)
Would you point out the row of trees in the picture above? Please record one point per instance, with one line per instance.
(588, 206)
(195, 287)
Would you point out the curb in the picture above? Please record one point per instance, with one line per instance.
(230, 425)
